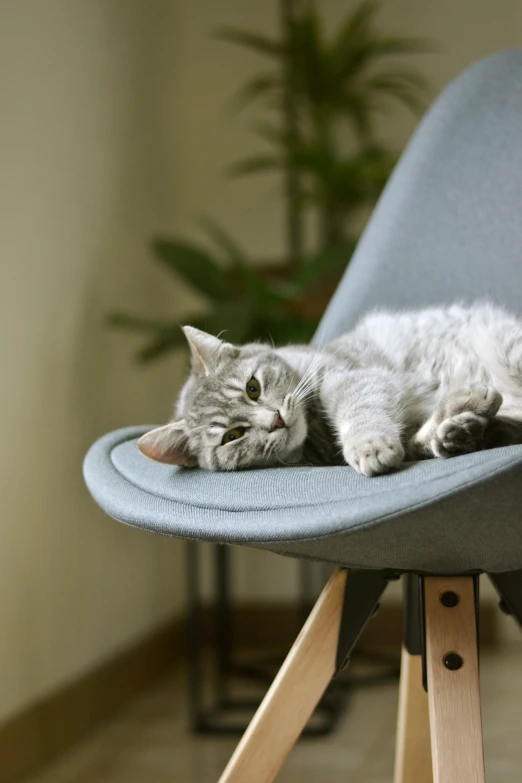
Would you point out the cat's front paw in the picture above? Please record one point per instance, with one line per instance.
(374, 455)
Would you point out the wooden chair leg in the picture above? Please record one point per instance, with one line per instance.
(453, 681)
(413, 747)
(293, 695)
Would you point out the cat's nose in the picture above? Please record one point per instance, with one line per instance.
(278, 422)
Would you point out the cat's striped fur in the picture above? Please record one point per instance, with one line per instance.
(432, 383)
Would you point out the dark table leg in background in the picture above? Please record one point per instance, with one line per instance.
(213, 707)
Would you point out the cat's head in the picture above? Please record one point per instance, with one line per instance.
(236, 410)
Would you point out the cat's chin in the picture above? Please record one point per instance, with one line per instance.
(289, 443)
(294, 457)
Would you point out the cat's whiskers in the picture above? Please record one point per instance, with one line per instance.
(302, 385)
(306, 376)
(310, 374)
(302, 389)
(311, 384)
(319, 377)
(306, 389)
(268, 450)
(309, 389)
(303, 398)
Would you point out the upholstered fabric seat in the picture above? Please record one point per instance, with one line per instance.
(436, 515)
(448, 228)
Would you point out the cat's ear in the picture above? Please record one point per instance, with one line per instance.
(204, 348)
(168, 444)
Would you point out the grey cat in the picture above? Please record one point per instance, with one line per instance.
(411, 385)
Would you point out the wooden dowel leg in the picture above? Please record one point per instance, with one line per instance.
(453, 687)
(293, 695)
(413, 747)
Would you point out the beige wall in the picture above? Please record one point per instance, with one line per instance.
(81, 191)
(113, 125)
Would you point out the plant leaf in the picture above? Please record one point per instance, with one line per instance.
(271, 134)
(359, 24)
(254, 164)
(322, 263)
(310, 56)
(402, 85)
(232, 319)
(223, 240)
(198, 268)
(286, 329)
(245, 280)
(256, 88)
(351, 47)
(164, 342)
(407, 77)
(391, 45)
(251, 40)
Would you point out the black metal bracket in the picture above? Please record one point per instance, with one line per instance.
(413, 614)
(215, 665)
(361, 601)
(414, 630)
(509, 587)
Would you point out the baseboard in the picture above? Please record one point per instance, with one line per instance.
(267, 625)
(46, 729)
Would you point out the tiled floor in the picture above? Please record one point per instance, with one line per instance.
(148, 742)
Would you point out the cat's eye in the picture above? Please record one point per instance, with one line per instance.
(234, 434)
(253, 388)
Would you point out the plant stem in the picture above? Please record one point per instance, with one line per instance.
(330, 219)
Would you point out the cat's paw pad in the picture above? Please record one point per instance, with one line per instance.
(479, 398)
(374, 455)
(459, 434)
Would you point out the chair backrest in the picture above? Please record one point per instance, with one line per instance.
(448, 226)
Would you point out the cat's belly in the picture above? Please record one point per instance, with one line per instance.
(321, 454)
(321, 446)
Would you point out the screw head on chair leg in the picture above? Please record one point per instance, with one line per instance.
(453, 661)
(449, 599)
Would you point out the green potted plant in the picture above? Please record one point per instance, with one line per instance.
(322, 96)
(326, 91)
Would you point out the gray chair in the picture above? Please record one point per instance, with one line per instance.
(448, 227)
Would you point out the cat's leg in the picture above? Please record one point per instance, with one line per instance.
(459, 424)
(366, 410)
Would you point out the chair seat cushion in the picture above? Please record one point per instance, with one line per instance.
(437, 516)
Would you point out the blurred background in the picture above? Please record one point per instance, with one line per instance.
(163, 162)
